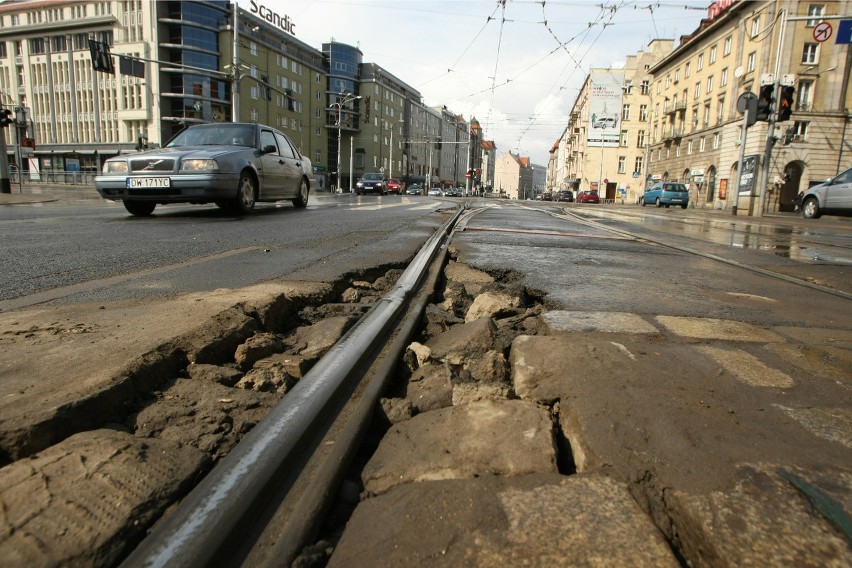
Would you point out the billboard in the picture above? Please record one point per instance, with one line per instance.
(604, 128)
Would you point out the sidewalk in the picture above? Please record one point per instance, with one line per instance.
(28, 193)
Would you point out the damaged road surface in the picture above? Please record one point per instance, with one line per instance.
(555, 407)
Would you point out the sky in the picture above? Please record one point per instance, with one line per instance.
(516, 66)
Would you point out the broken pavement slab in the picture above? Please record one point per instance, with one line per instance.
(509, 437)
(530, 520)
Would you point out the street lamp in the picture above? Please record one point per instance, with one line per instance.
(342, 99)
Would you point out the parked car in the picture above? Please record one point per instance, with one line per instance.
(547, 196)
(564, 195)
(666, 193)
(833, 197)
(435, 192)
(588, 196)
(233, 165)
(372, 182)
(394, 186)
(414, 189)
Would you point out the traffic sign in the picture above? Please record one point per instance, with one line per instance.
(844, 32)
(822, 31)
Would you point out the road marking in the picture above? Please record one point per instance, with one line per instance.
(709, 328)
(833, 424)
(747, 368)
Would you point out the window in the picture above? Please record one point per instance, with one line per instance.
(706, 115)
(695, 117)
(702, 143)
(253, 48)
(803, 97)
(646, 87)
(677, 76)
(623, 138)
(710, 84)
(697, 89)
(751, 60)
(689, 148)
(720, 110)
(810, 54)
(755, 26)
(640, 140)
(815, 10)
(700, 64)
(668, 81)
(628, 88)
(687, 70)
(712, 55)
(726, 50)
(643, 112)
(677, 150)
(637, 165)
(800, 129)
(723, 80)
(622, 164)
(625, 112)
(716, 141)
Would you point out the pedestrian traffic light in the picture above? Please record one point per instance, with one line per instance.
(764, 102)
(6, 117)
(785, 104)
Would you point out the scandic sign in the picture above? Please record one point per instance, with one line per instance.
(285, 23)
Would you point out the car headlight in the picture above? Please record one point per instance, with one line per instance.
(199, 166)
(116, 167)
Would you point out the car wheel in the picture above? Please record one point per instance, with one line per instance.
(684, 206)
(246, 194)
(302, 199)
(642, 202)
(139, 208)
(658, 202)
(810, 208)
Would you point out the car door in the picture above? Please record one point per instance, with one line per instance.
(839, 194)
(273, 168)
(292, 166)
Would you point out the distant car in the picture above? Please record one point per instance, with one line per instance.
(547, 196)
(394, 186)
(666, 193)
(373, 182)
(588, 196)
(233, 165)
(833, 197)
(564, 195)
(414, 189)
(435, 192)
(538, 197)
(454, 192)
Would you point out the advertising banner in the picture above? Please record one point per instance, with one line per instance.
(605, 93)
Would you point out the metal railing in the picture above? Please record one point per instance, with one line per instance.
(60, 177)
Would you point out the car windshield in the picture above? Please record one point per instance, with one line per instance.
(675, 187)
(372, 177)
(214, 135)
(393, 180)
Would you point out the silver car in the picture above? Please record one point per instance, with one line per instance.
(231, 165)
(833, 196)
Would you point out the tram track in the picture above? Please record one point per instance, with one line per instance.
(274, 486)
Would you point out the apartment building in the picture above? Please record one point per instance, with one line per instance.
(605, 144)
(513, 176)
(696, 129)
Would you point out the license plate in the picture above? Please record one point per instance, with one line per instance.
(147, 182)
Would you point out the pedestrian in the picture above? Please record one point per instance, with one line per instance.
(798, 202)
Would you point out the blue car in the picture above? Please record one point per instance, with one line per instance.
(666, 193)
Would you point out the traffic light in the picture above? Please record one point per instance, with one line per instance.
(6, 117)
(785, 104)
(764, 102)
(101, 57)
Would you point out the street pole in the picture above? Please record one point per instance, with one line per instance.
(770, 131)
(736, 187)
(5, 183)
(468, 175)
(351, 158)
(339, 133)
(390, 162)
(235, 86)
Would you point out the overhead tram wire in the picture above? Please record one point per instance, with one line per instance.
(469, 45)
(496, 63)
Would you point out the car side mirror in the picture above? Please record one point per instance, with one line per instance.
(269, 149)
